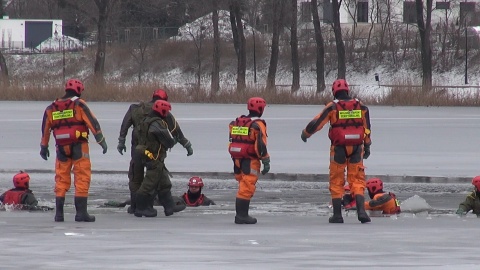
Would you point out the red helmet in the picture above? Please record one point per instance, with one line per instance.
(256, 104)
(374, 185)
(75, 85)
(162, 107)
(21, 180)
(160, 94)
(347, 187)
(338, 85)
(195, 182)
(476, 182)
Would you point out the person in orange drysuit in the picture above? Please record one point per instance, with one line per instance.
(248, 147)
(70, 120)
(349, 134)
(380, 200)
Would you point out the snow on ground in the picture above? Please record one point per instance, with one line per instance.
(59, 43)
(202, 28)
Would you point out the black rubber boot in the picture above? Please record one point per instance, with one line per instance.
(144, 206)
(166, 200)
(241, 207)
(59, 202)
(81, 207)
(133, 203)
(337, 211)
(361, 213)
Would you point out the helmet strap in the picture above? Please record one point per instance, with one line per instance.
(253, 114)
(342, 94)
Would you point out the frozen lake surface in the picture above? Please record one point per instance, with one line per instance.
(427, 152)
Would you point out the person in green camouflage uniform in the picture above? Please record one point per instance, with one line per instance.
(133, 117)
(154, 139)
(472, 202)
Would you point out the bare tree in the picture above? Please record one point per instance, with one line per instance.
(104, 8)
(278, 7)
(3, 63)
(353, 34)
(4, 71)
(39, 9)
(294, 47)
(140, 44)
(239, 43)
(424, 29)
(215, 84)
(198, 36)
(445, 30)
(373, 18)
(337, 30)
(320, 49)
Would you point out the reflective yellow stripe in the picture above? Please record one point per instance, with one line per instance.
(62, 114)
(397, 203)
(236, 130)
(350, 114)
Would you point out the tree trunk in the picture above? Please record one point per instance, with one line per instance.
(320, 49)
(272, 69)
(342, 69)
(233, 24)
(215, 84)
(4, 71)
(239, 43)
(424, 28)
(294, 48)
(99, 69)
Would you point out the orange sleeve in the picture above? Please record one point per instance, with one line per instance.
(261, 139)
(88, 117)
(366, 124)
(321, 119)
(46, 126)
(380, 202)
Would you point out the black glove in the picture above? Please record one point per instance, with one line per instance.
(304, 136)
(101, 140)
(366, 151)
(266, 165)
(121, 145)
(189, 148)
(460, 212)
(44, 153)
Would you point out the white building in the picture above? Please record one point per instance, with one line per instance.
(364, 12)
(22, 34)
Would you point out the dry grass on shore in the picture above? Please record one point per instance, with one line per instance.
(406, 95)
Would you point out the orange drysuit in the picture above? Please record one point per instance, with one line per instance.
(71, 139)
(344, 155)
(246, 166)
(385, 202)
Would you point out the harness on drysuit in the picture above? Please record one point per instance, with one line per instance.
(348, 129)
(192, 199)
(14, 196)
(397, 203)
(242, 144)
(66, 128)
